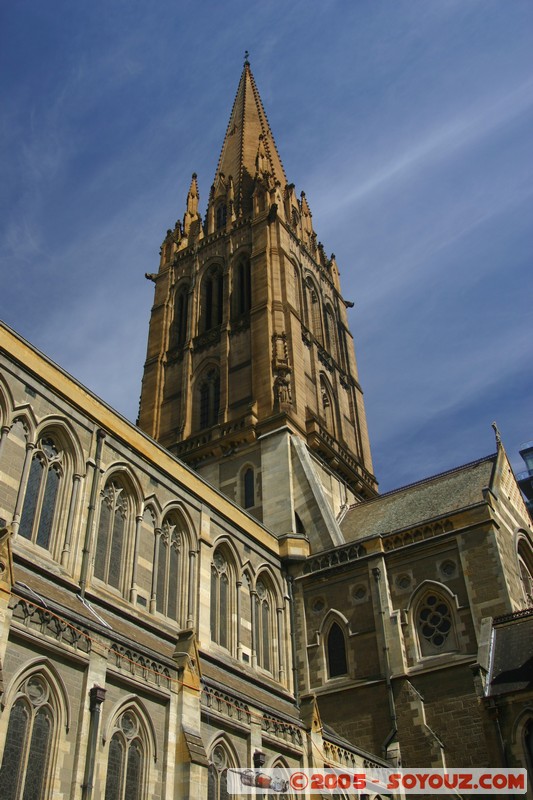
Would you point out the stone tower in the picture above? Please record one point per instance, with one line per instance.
(250, 374)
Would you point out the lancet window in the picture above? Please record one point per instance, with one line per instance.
(221, 599)
(26, 766)
(112, 532)
(212, 299)
(170, 575)
(242, 287)
(264, 611)
(126, 764)
(525, 563)
(313, 309)
(209, 398)
(331, 333)
(217, 777)
(248, 488)
(336, 651)
(40, 507)
(181, 307)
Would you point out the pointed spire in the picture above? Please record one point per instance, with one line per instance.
(242, 144)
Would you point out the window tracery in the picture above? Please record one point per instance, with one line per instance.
(221, 600)
(112, 532)
(264, 625)
(25, 770)
(217, 779)
(126, 762)
(434, 620)
(170, 569)
(40, 507)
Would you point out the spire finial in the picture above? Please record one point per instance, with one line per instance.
(497, 433)
(246, 58)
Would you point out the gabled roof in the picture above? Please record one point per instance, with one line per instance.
(247, 123)
(414, 504)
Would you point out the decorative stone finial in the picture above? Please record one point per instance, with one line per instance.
(246, 57)
(497, 434)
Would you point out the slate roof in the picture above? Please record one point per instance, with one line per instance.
(414, 504)
(511, 667)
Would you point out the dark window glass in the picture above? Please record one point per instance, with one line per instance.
(161, 575)
(266, 637)
(528, 743)
(115, 768)
(172, 610)
(48, 508)
(180, 317)
(117, 541)
(212, 780)
(31, 498)
(134, 772)
(434, 620)
(336, 652)
(14, 750)
(249, 499)
(208, 304)
(221, 216)
(102, 539)
(224, 610)
(224, 785)
(214, 605)
(204, 405)
(38, 755)
(219, 297)
(110, 541)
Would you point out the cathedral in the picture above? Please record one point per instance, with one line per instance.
(223, 582)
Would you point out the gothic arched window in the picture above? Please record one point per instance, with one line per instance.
(434, 619)
(126, 763)
(313, 306)
(327, 408)
(242, 287)
(528, 746)
(264, 611)
(525, 563)
(248, 488)
(209, 398)
(217, 776)
(25, 771)
(212, 299)
(40, 501)
(112, 533)
(221, 599)
(170, 573)
(336, 652)
(181, 307)
(331, 332)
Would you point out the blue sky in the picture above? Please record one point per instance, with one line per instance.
(408, 123)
